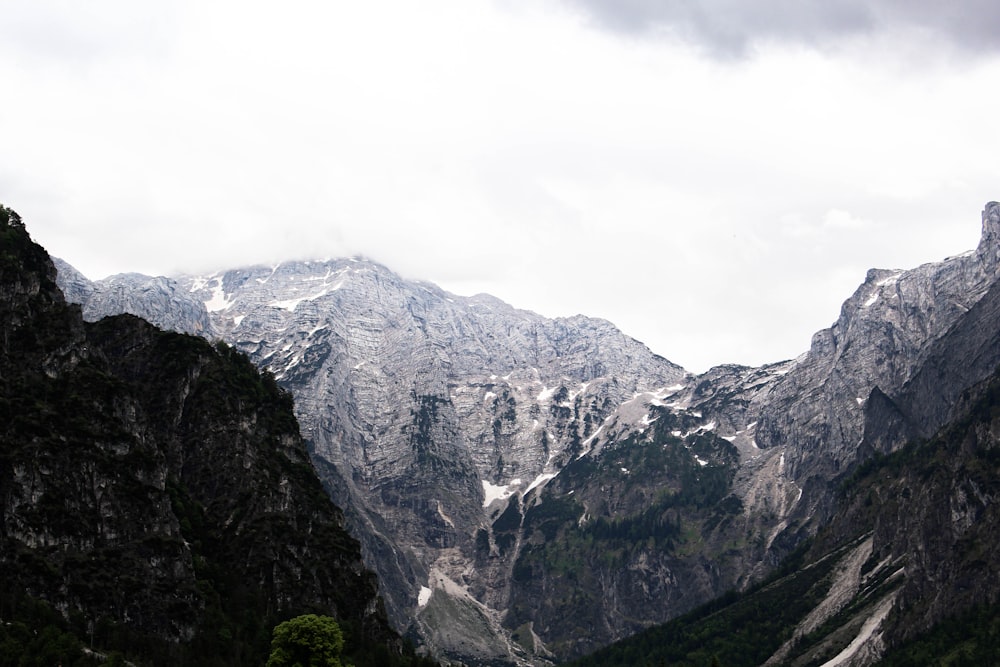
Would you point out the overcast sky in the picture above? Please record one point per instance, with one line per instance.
(713, 179)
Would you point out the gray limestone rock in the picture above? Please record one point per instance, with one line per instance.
(425, 406)
(884, 333)
(74, 285)
(439, 423)
(157, 300)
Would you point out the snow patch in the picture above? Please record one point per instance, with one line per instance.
(324, 278)
(700, 461)
(296, 360)
(890, 280)
(592, 438)
(541, 479)
(705, 428)
(885, 282)
(288, 304)
(218, 301)
(273, 269)
(292, 304)
(493, 492)
(545, 394)
(238, 319)
(424, 596)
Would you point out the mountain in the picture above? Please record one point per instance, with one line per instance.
(421, 408)
(906, 570)
(424, 410)
(158, 300)
(532, 489)
(156, 496)
(883, 334)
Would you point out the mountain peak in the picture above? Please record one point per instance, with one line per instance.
(166, 465)
(989, 244)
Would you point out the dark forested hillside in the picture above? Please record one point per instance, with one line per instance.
(156, 498)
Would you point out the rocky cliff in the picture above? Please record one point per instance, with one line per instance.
(530, 488)
(883, 335)
(425, 411)
(158, 300)
(155, 492)
(905, 568)
(424, 408)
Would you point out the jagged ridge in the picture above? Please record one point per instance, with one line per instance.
(154, 489)
(422, 406)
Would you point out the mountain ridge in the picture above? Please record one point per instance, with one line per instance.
(444, 423)
(156, 495)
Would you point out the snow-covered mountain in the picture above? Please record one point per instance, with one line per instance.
(528, 487)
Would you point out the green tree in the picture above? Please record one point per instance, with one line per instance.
(307, 641)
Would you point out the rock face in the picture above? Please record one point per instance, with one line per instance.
(910, 543)
(154, 488)
(931, 503)
(906, 540)
(422, 407)
(529, 488)
(159, 300)
(75, 286)
(883, 335)
(929, 514)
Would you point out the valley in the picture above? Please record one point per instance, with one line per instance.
(529, 490)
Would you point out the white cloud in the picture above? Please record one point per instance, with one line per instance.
(838, 219)
(718, 210)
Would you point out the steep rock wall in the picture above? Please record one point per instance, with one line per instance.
(154, 488)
